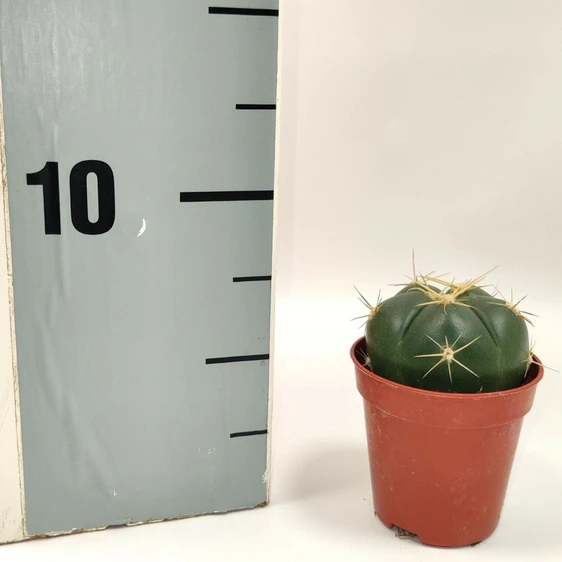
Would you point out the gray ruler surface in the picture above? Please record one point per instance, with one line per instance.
(139, 149)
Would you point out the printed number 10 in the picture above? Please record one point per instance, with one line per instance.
(48, 177)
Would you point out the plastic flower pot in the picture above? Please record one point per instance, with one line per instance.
(440, 462)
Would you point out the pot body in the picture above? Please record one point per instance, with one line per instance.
(440, 462)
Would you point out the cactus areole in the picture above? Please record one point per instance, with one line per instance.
(441, 336)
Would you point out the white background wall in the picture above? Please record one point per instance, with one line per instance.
(434, 125)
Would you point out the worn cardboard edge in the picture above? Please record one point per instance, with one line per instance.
(58, 534)
(274, 254)
(12, 503)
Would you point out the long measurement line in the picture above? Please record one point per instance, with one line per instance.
(214, 196)
(236, 359)
(256, 106)
(248, 433)
(250, 279)
(243, 11)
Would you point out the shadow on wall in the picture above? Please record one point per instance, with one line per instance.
(333, 486)
(531, 515)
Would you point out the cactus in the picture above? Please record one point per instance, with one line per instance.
(449, 337)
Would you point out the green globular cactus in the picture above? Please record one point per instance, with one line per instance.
(448, 337)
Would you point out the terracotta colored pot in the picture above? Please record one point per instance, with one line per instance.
(440, 462)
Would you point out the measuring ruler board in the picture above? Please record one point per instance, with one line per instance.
(137, 161)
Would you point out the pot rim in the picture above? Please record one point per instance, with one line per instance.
(536, 373)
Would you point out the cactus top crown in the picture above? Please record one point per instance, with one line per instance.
(448, 336)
